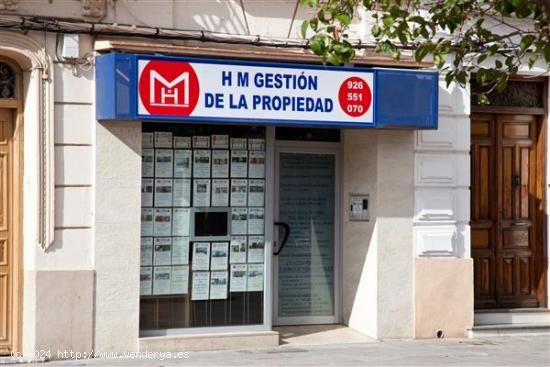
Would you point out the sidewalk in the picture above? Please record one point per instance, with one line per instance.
(505, 351)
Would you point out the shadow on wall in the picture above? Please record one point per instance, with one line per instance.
(264, 17)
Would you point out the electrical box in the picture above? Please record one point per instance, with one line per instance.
(70, 46)
(359, 207)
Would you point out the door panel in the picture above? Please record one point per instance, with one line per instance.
(483, 214)
(6, 266)
(504, 242)
(306, 276)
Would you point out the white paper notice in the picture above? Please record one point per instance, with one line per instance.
(147, 162)
(201, 142)
(238, 143)
(238, 220)
(147, 192)
(201, 256)
(181, 192)
(237, 281)
(238, 163)
(255, 281)
(163, 139)
(201, 285)
(201, 192)
(163, 222)
(219, 256)
(180, 250)
(180, 279)
(147, 140)
(182, 142)
(163, 192)
(220, 141)
(218, 285)
(220, 192)
(256, 221)
(146, 221)
(182, 163)
(256, 246)
(256, 167)
(162, 254)
(256, 144)
(180, 219)
(146, 251)
(163, 162)
(146, 281)
(238, 192)
(161, 280)
(201, 163)
(238, 249)
(256, 190)
(220, 163)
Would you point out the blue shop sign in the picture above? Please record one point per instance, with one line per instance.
(159, 88)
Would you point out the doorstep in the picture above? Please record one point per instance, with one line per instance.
(512, 316)
(510, 322)
(214, 341)
(484, 331)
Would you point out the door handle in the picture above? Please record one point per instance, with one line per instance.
(285, 237)
(516, 180)
(519, 224)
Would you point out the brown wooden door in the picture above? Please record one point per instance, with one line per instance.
(505, 244)
(7, 266)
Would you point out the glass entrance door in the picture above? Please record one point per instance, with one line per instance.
(305, 272)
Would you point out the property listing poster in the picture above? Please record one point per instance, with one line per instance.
(201, 256)
(182, 142)
(146, 281)
(219, 256)
(218, 284)
(238, 278)
(200, 289)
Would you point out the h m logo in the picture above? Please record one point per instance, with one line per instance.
(173, 93)
(167, 88)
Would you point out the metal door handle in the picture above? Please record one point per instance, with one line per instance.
(516, 180)
(285, 237)
(520, 223)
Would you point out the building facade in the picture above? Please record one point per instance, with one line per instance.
(124, 232)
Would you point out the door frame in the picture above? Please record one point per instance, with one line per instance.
(542, 219)
(282, 146)
(16, 209)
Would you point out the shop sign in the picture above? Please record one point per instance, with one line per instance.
(145, 87)
(208, 90)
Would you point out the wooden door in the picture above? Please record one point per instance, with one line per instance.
(7, 265)
(506, 246)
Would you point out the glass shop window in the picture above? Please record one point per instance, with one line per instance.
(202, 226)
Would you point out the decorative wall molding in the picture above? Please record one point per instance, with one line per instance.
(94, 8)
(436, 240)
(517, 94)
(451, 135)
(33, 58)
(435, 205)
(9, 5)
(442, 179)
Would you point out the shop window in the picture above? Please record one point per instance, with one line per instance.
(202, 244)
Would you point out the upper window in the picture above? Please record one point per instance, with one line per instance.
(7, 81)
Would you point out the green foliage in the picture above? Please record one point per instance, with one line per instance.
(463, 37)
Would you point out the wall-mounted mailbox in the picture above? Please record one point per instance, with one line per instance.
(359, 207)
